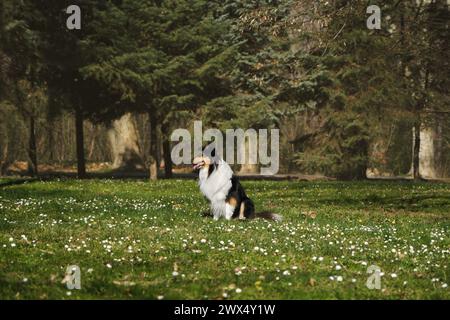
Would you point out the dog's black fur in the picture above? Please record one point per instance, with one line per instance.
(238, 192)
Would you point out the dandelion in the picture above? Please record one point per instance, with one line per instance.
(109, 266)
(175, 273)
(444, 285)
(238, 290)
(339, 278)
(393, 275)
(338, 267)
(160, 297)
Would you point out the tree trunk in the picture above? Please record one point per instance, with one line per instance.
(247, 167)
(51, 140)
(361, 173)
(439, 149)
(427, 153)
(167, 155)
(79, 132)
(159, 147)
(126, 154)
(416, 151)
(153, 165)
(417, 130)
(92, 144)
(32, 152)
(4, 163)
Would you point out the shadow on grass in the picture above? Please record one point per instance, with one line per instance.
(393, 195)
(414, 203)
(27, 189)
(14, 182)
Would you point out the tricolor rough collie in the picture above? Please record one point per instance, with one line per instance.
(223, 189)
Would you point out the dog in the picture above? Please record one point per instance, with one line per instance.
(223, 190)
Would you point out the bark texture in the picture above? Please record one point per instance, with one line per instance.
(125, 150)
(79, 133)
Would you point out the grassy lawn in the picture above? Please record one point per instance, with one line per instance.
(149, 240)
(4, 181)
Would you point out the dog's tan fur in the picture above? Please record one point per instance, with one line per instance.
(226, 195)
(241, 211)
(232, 201)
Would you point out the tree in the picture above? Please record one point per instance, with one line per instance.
(167, 61)
(360, 85)
(30, 102)
(21, 70)
(63, 58)
(264, 80)
(428, 62)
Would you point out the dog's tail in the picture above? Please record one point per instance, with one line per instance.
(269, 216)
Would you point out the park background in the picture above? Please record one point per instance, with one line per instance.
(350, 103)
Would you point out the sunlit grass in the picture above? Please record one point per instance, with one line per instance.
(149, 240)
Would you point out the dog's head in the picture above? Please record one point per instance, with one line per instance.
(208, 158)
(201, 162)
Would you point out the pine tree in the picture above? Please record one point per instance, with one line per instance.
(361, 65)
(167, 61)
(62, 60)
(21, 70)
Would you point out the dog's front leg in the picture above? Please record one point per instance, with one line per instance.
(218, 209)
(230, 205)
(241, 211)
(229, 210)
(216, 214)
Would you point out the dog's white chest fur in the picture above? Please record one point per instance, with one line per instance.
(215, 187)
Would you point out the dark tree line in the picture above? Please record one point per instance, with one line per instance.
(345, 98)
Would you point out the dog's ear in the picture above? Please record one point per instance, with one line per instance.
(210, 151)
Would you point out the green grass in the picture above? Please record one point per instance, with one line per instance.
(4, 181)
(135, 240)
